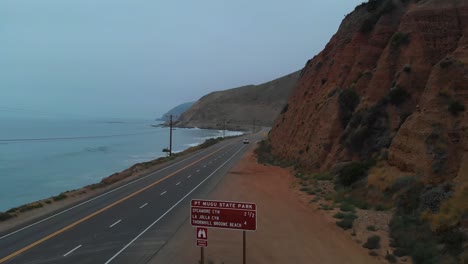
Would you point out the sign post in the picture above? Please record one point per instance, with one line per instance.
(202, 241)
(226, 215)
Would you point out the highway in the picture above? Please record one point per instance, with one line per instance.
(129, 223)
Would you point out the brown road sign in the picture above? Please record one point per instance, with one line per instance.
(224, 214)
(202, 243)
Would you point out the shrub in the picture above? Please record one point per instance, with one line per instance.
(380, 207)
(397, 96)
(402, 182)
(407, 68)
(373, 253)
(5, 216)
(445, 63)
(453, 240)
(408, 199)
(332, 92)
(391, 258)
(368, 131)
(371, 228)
(368, 24)
(339, 215)
(346, 207)
(285, 109)
(323, 177)
(60, 197)
(373, 242)
(30, 207)
(413, 237)
(399, 39)
(348, 100)
(432, 198)
(352, 172)
(347, 221)
(455, 107)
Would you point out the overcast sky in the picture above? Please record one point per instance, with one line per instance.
(139, 58)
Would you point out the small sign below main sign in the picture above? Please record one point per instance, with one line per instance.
(202, 243)
(224, 214)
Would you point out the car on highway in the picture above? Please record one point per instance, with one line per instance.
(246, 141)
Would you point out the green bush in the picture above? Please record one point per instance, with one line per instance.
(352, 172)
(339, 215)
(456, 107)
(413, 237)
(407, 68)
(5, 216)
(453, 240)
(323, 177)
(380, 207)
(285, 109)
(432, 198)
(371, 228)
(347, 207)
(402, 182)
(347, 222)
(367, 131)
(391, 258)
(397, 96)
(373, 242)
(399, 39)
(59, 197)
(348, 100)
(30, 207)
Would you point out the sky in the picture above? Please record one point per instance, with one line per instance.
(139, 58)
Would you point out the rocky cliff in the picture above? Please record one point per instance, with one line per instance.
(391, 82)
(386, 100)
(240, 108)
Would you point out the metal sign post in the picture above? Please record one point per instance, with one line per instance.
(243, 252)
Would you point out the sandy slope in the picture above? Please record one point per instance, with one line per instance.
(289, 230)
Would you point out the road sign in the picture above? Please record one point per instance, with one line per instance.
(224, 214)
(202, 243)
(202, 233)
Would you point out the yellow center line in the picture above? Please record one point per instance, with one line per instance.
(12, 255)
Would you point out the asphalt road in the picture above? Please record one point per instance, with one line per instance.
(128, 224)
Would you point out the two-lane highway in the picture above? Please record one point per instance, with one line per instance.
(130, 222)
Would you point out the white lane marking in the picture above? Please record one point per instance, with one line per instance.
(104, 194)
(115, 223)
(163, 193)
(204, 166)
(178, 183)
(188, 177)
(170, 209)
(71, 251)
(143, 205)
(198, 171)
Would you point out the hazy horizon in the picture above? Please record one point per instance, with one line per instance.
(138, 59)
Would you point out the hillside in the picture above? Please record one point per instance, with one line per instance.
(239, 107)
(386, 100)
(176, 111)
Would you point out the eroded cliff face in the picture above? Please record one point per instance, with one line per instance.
(391, 85)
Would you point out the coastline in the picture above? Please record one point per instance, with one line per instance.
(29, 212)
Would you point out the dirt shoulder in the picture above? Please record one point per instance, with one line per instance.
(289, 229)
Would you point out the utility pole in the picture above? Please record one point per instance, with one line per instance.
(224, 127)
(170, 135)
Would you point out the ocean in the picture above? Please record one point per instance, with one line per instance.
(40, 158)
